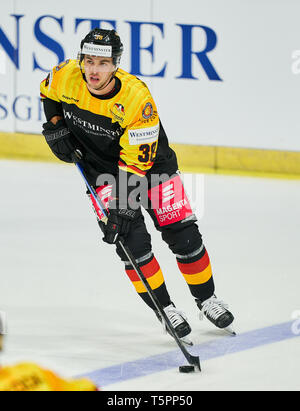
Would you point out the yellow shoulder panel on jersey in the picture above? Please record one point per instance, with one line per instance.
(133, 93)
(60, 79)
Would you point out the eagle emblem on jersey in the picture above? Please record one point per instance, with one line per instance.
(120, 108)
(118, 112)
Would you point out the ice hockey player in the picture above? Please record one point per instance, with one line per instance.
(106, 119)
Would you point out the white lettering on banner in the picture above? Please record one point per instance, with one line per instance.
(143, 135)
(95, 50)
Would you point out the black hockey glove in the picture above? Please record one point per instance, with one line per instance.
(118, 225)
(122, 210)
(61, 141)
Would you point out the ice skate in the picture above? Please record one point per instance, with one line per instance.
(216, 311)
(179, 321)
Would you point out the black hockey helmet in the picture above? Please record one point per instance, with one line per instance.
(103, 43)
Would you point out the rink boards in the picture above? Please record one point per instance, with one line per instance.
(192, 158)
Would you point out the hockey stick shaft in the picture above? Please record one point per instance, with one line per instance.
(193, 360)
(93, 192)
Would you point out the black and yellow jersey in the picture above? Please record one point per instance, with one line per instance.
(119, 130)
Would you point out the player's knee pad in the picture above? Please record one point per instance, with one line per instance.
(182, 238)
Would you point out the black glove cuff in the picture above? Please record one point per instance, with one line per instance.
(56, 134)
(62, 142)
(127, 214)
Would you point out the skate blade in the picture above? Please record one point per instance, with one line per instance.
(187, 341)
(230, 330)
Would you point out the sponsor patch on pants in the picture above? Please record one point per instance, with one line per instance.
(169, 202)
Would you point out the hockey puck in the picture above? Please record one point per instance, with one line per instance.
(186, 368)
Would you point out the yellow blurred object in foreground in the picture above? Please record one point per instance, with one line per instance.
(31, 377)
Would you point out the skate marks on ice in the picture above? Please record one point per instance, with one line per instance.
(207, 351)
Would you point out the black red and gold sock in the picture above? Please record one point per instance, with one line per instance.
(197, 271)
(152, 271)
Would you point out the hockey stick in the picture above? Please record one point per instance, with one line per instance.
(192, 360)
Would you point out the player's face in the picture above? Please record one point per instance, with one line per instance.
(98, 71)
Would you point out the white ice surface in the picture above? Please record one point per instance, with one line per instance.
(70, 306)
